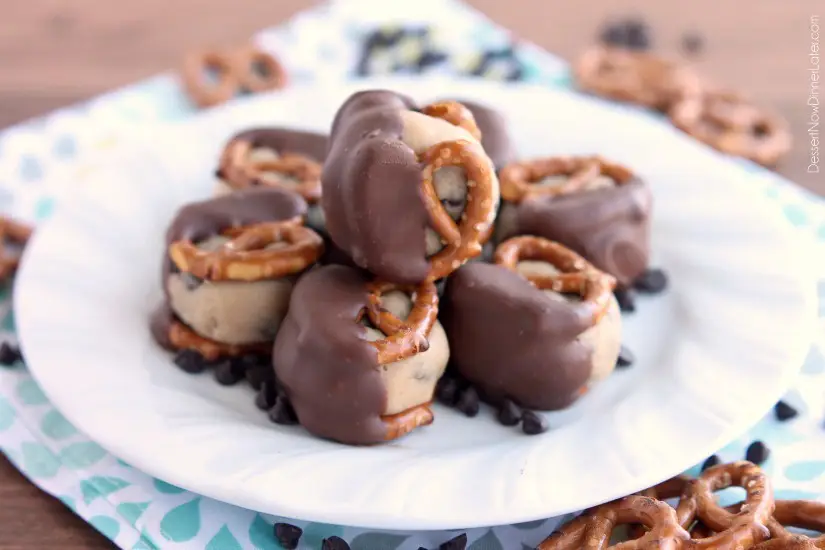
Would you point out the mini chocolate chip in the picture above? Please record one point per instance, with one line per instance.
(9, 354)
(533, 424)
(468, 402)
(692, 43)
(256, 375)
(190, 361)
(190, 281)
(508, 413)
(456, 543)
(266, 397)
(652, 281)
(228, 373)
(283, 413)
(219, 173)
(446, 390)
(422, 548)
(757, 453)
(784, 412)
(334, 543)
(625, 359)
(711, 461)
(637, 35)
(626, 299)
(288, 535)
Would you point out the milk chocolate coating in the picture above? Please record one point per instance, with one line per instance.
(200, 220)
(510, 340)
(287, 140)
(325, 364)
(371, 189)
(495, 136)
(610, 227)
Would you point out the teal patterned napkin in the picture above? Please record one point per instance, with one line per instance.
(336, 41)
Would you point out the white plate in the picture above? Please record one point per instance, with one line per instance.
(714, 353)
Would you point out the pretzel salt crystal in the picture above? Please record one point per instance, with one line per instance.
(16, 233)
(517, 179)
(729, 123)
(182, 337)
(462, 241)
(578, 275)
(247, 256)
(456, 114)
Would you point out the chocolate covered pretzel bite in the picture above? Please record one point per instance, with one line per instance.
(359, 358)
(229, 269)
(535, 329)
(408, 194)
(598, 208)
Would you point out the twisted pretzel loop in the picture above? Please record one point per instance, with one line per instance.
(16, 233)
(247, 256)
(406, 421)
(517, 179)
(182, 337)
(462, 241)
(456, 114)
(578, 275)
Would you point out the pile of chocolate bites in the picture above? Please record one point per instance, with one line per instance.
(406, 257)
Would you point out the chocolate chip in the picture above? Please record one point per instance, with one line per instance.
(631, 33)
(266, 397)
(508, 413)
(638, 35)
(468, 402)
(652, 281)
(456, 543)
(190, 361)
(283, 413)
(229, 372)
(9, 354)
(784, 412)
(626, 299)
(533, 424)
(625, 359)
(190, 281)
(711, 461)
(446, 390)
(288, 535)
(219, 173)
(257, 374)
(334, 543)
(757, 453)
(692, 43)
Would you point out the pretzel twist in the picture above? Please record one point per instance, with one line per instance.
(406, 421)
(240, 171)
(182, 337)
(249, 255)
(577, 274)
(518, 179)
(636, 77)
(14, 232)
(235, 70)
(730, 123)
(462, 241)
(456, 114)
(403, 338)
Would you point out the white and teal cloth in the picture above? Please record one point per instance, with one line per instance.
(326, 44)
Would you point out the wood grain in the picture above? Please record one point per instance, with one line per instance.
(56, 53)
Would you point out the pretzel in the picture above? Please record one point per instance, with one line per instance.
(462, 241)
(456, 114)
(406, 421)
(246, 256)
(516, 178)
(731, 124)
(239, 171)
(634, 76)
(235, 71)
(182, 337)
(404, 338)
(14, 232)
(578, 275)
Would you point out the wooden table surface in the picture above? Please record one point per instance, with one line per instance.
(56, 53)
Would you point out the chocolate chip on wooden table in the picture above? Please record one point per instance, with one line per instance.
(630, 33)
(625, 359)
(533, 424)
(626, 298)
(652, 281)
(508, 413)
(468, 402)
(455, 543)
(282, 412)
(229, 372)
(757, 453)
(784, 411)
(190, 361)
(288, 535)
(334, 543)
(9, 354)
(710, 462)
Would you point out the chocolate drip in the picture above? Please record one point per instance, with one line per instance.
(325, 365)
(286, 140)
(511, 340)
